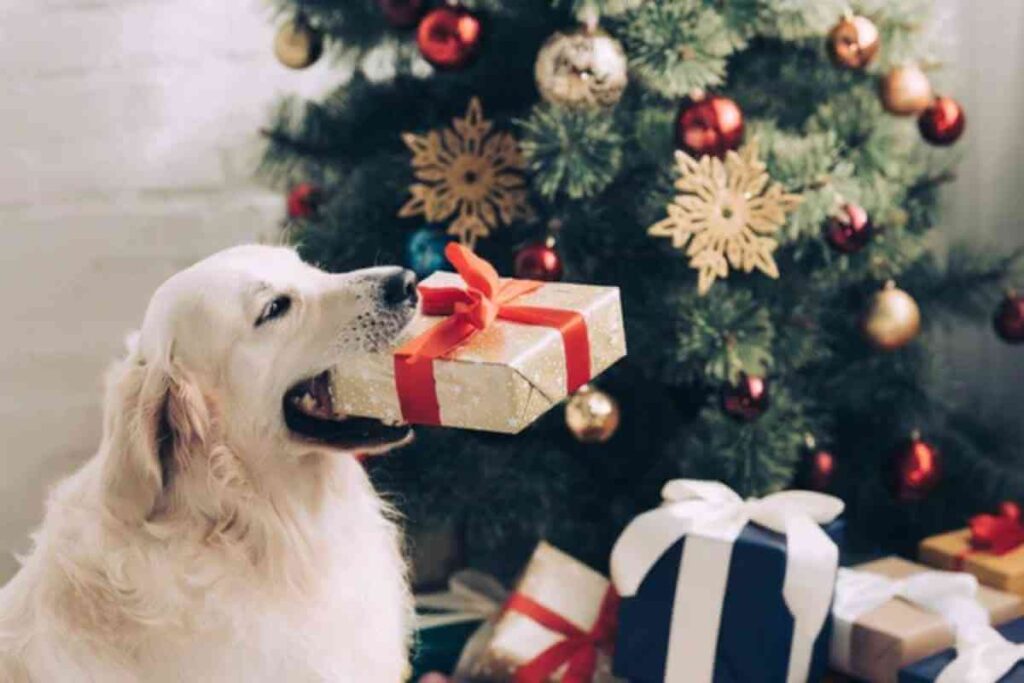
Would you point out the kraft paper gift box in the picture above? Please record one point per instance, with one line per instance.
(487, 353)
(557, 625)
(1010, 670)
(881, 622)
(717, 588)
(991, 548)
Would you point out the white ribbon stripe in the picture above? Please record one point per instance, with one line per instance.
(949, 594)
(712, 516)
(983, 656)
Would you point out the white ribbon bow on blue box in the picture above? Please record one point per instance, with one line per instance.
(711, 516)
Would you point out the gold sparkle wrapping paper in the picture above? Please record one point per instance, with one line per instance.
(559, 582)
(505, 377)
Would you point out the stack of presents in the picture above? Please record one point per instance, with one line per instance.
(711, 587)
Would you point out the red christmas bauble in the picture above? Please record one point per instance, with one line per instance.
(821, 466)
(942, 123)
(917, 469)
(449, 37)
(1009, 319)
(747, 399)
(538, 262)
(402, 13)
(303, 200)
(712, 125)
(850, 231)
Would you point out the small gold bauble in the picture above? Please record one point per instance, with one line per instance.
(297, 44)
(905, 91)
(892, 319)
(582, 68)
(853, 42)
(592, 415)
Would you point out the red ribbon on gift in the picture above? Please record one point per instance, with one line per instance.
(995, 534)
(578, 649)
(485, 299)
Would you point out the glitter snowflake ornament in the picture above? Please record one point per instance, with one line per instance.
(725, 214)
(468, 171)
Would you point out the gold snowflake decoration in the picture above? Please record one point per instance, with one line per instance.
(724, 214)
(469, 171)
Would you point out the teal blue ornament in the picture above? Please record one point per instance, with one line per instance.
(424, 252)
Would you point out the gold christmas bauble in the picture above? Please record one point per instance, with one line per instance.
(892, 319)
(905, 91)
(297, 44)
(582, 68)
(853, 42)
(592, 415)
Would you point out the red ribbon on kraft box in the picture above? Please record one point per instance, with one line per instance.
(995, 534)
(469, 311)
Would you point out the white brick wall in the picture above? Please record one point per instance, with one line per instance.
(128, 130)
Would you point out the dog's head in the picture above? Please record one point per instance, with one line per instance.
(233, 355)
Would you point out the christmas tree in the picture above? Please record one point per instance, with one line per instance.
(759, 178)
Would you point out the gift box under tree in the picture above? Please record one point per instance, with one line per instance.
(487, 353)
(991, 548)
(891, 613)
(715, 588)
(558, 625)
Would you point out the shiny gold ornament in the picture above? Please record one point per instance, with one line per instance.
(468, 171)
(724, 214)
(853, 42)
(905, 91)
(297, 44)
(582, 68)
(592, 415)
(892, 319)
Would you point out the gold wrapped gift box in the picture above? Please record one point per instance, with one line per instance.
(504, 377)
(898, 633)
(953, 550)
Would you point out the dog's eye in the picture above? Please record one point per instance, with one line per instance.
(274, 309)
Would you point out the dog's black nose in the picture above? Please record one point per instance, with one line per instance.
(400, 288)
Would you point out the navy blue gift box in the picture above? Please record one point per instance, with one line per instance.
(756, 628)
(929, 668)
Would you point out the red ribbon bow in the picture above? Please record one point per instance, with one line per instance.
(998, 534)
(485, 299)
(994, 534)
(579, 648)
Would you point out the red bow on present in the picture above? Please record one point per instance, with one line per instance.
(998, 534)
(578, 649)
(994, 534)
(471, 310)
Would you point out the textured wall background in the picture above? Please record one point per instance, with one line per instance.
(129, 136)
(128, 130)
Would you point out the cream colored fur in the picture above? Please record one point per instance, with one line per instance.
(204, 542)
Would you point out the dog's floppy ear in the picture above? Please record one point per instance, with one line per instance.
(156, 418)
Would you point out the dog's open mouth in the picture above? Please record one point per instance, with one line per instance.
(310, 412)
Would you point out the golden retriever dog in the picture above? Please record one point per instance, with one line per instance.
(224, 531)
